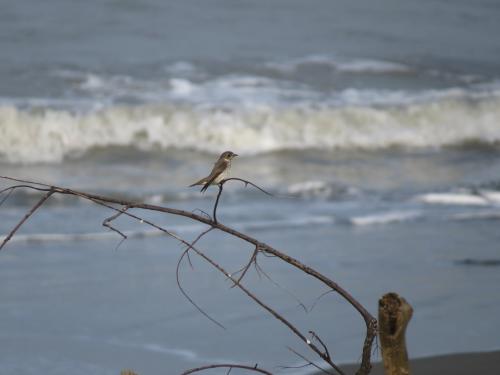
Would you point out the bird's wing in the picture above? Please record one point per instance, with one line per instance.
(219, 167)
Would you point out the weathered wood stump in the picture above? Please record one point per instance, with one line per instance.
(394, 314)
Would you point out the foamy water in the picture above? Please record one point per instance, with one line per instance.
(51, 135)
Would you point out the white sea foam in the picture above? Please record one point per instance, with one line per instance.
(50, 135)
(229, 89)
(182, 87)
(466, 199)
(492, 197)
(385, 218)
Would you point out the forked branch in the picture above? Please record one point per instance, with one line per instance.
(221, 187)
(27, 216)
(260, 247)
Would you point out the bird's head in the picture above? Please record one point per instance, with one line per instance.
(228, 155)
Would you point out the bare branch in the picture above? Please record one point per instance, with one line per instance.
(246, 184)
(10, 190)
(319, 298)
(227, 365)
(244, 270)
(202, 212)
(315, 336)
(26, 217)
(266, 275)
(179, 285)
(221, 187)
(310, 363)
(106, 223)
(370, 321)
(266, 307)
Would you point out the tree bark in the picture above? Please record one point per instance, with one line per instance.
(394, 314)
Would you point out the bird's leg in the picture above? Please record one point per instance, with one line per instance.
(220, 185)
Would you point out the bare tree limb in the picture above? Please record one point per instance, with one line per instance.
(370, 321)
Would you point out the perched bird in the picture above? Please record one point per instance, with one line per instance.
(219, 171)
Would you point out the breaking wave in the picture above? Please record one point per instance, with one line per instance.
(50, 135)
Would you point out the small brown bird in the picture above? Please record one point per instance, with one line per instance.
(219, 171)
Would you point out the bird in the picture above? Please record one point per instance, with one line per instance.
(219, 171)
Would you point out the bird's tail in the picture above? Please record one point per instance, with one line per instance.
(200, 182)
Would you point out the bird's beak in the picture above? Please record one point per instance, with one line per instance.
(234, 155)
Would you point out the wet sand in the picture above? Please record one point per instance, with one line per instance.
(452, 364)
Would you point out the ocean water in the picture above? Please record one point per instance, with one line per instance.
(376, 126)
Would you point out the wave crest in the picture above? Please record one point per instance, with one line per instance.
(51, 135)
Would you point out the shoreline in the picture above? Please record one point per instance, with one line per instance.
(449, 364)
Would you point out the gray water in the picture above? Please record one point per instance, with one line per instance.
(375, 125)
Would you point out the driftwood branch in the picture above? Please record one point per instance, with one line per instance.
(260, 247)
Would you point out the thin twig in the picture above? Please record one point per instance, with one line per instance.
(319, 298)
(202, 212)
(311, 363)
(246, 184)
(276, 284)
(314, 336)
(266, 307)
(10, 190)
(107, 223)
(26, 217)
(179, 285)
(253, 259)
(225, 365)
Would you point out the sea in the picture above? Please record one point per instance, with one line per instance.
(375, 125)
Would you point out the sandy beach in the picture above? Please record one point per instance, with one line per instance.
(450, 364)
